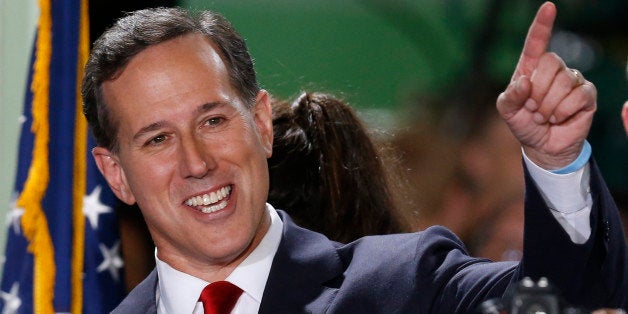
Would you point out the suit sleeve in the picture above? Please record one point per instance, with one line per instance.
(589, 275)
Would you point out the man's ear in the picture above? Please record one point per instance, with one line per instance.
(114, 174)
(263, 116)
(624, 116)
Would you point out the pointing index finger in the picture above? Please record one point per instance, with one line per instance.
(537, 40)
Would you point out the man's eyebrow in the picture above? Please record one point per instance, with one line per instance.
(159, 124)
(209, 106)
(149, 128)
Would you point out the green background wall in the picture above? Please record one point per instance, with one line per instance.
(377, 56)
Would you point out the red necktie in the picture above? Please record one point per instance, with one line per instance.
(219, 297)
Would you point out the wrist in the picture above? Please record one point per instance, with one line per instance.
(568, 162)
(578, 163)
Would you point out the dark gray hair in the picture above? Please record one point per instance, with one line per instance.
(141, 29)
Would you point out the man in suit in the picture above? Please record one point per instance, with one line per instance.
(184, 131)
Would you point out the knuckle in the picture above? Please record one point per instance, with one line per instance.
(591, 89)
(552, 56)
(588, 92)
(555, 61)
(564, 79)
(502, 98)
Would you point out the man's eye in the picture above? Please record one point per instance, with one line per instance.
(156, 140)
(214, 121)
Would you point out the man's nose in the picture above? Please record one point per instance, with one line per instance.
(196, 161)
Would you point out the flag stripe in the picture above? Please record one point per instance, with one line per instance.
(80, 180)
(34, 222)
(58, 202)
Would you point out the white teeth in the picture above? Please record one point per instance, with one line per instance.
(215, 198)
(214, 208)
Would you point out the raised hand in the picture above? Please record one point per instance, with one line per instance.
(547, 106)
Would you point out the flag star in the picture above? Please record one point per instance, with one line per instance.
(14, 215)
(92, 207)
(111, 260)
(11, 300)
(21, 119)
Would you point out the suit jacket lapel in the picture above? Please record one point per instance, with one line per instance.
(142, 299)
(305, 273)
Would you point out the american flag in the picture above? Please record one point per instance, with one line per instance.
(63, 244)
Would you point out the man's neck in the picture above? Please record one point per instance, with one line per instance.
(212, 270)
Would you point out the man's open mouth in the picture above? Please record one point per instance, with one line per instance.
(212, 202)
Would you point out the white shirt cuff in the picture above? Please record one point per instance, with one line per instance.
(568, 196)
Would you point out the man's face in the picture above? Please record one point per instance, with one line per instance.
(191, 154)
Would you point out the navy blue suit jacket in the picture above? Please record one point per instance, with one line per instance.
(430, 271)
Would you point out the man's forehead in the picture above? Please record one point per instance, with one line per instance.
(186, 56)
(187, 47)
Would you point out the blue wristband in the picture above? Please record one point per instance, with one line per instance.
(577, 164)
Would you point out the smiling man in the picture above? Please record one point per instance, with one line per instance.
(192, 153)
(184, 131)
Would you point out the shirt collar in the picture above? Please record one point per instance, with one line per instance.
(178, 292)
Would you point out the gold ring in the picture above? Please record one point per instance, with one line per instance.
(579, 78)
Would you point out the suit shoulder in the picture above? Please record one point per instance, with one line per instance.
(141, 299)
(435, 236)
(405, 251)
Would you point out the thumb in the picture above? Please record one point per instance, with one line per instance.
(514, 97)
